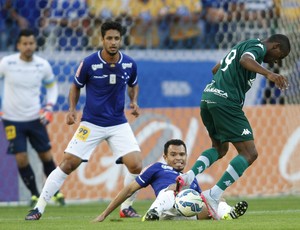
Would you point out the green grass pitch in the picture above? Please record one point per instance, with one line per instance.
(263, 213)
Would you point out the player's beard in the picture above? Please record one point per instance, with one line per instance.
(112, 53)
(27, 55)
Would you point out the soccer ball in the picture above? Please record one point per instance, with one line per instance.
(188, 202)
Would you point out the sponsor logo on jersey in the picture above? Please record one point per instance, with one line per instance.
(246, 132)
(11, 62)
(103, 76)
(126, 65)
(209, 88)
(167, 167)
(97, 66)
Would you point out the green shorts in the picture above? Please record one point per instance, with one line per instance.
(226, 123)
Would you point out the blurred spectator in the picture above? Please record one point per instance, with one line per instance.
(20, 14)
(100, 11)
(259, 19)
(66, 23)
(220, 18)
(184, 26)
(145, 14)
(5, 27)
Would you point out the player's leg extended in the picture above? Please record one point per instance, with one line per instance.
(164, 201)
(133, 163)
(49, 166)
(125, 147)
(234, 171)
(53, 183)
(79, 148)
(210, 117)
(232, 127)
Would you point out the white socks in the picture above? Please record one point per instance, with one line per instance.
(164, 201)
(191, 176)
(129, 201)
(216, 192)
(52, 185)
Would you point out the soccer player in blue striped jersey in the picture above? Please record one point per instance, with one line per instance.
(106, 74)
(221, 109)
(162, 177)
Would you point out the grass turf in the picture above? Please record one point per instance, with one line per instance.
(263, 213)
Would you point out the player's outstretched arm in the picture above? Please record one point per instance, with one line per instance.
(250, 64)
(119, 199)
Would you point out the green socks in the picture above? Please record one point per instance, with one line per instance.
(233, 172)
(207, 158)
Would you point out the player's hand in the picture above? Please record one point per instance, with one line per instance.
(46, 114)
(135, 109)
(280, 81)
(100, 218)
(71, 117)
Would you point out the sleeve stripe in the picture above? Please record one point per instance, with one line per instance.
(251, 54)
(78, 81)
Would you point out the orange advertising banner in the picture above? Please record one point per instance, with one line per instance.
(276, 171)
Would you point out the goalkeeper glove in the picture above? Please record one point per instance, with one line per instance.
(46, 115)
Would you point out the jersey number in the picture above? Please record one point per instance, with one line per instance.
(229, 59)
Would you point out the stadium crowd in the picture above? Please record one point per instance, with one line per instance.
(65, 25)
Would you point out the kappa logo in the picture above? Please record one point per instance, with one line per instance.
(227, 183)
(200, 169)
(246, 132)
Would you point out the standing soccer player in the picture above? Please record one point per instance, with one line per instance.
(24, 73)
(105, 75)
(222, 114)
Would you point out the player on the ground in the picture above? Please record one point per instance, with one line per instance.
(105, 74)
(24, 74)
(222, 114)
(162, 176)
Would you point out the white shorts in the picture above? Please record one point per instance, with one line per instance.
(88, 136)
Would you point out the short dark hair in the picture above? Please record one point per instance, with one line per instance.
(112, 25)
(173, 142)
(282, 40)
(25, 33)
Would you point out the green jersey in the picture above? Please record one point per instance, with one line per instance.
(232, 81)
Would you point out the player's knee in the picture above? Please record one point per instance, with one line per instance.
(252, 157)
(135, 168)
(222, 150)
(69, 163)
(133, 162)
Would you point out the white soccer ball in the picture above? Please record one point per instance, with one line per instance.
(188, 202)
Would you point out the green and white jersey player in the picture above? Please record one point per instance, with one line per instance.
(221, 109)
